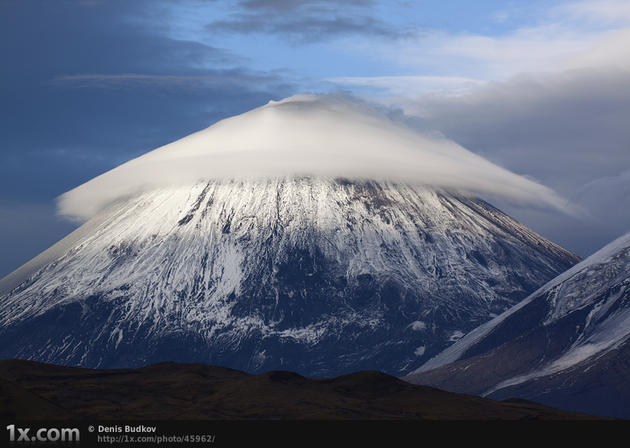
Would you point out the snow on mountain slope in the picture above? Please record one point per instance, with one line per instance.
(566, 329)
(316, 275)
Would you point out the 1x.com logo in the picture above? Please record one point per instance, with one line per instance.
(43, 434)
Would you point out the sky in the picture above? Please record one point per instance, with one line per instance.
(540, 88)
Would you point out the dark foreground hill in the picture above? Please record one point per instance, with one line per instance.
(31, 390)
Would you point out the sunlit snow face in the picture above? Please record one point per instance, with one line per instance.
(307, 135)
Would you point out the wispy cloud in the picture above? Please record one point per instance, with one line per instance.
(305, 21)
(406, 85)
(292, 5)
(568, 36)
(545, 48)
(138, 80)
(600, 11)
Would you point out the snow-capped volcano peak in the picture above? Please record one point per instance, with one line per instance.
(307, 135)
(312, 234)
(312, 274)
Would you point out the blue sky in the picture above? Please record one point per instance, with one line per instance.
(540, 88)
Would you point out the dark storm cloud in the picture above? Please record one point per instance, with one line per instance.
(213, 78)
(567, 130)
(37, 221)
(50, 48)
(305, 21)
(85, 86)
(608, 200)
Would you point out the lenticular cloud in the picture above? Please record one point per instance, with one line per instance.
(307, 135)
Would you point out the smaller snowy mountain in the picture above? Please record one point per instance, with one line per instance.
(566, 345)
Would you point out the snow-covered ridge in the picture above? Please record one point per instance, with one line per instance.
(599, 283)
(306, 135)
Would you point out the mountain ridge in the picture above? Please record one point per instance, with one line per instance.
(558, 346)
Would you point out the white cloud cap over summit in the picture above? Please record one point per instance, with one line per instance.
(308, 135)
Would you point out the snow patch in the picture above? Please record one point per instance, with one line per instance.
(418, 325)
(455, 336)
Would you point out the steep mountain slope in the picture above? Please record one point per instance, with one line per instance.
(566, 345)
(316, 275)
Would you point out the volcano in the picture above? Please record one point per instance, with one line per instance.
(185, 257)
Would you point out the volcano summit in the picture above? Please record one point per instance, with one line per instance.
(312, 235)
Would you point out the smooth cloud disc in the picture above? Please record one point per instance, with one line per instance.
(307, 135)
